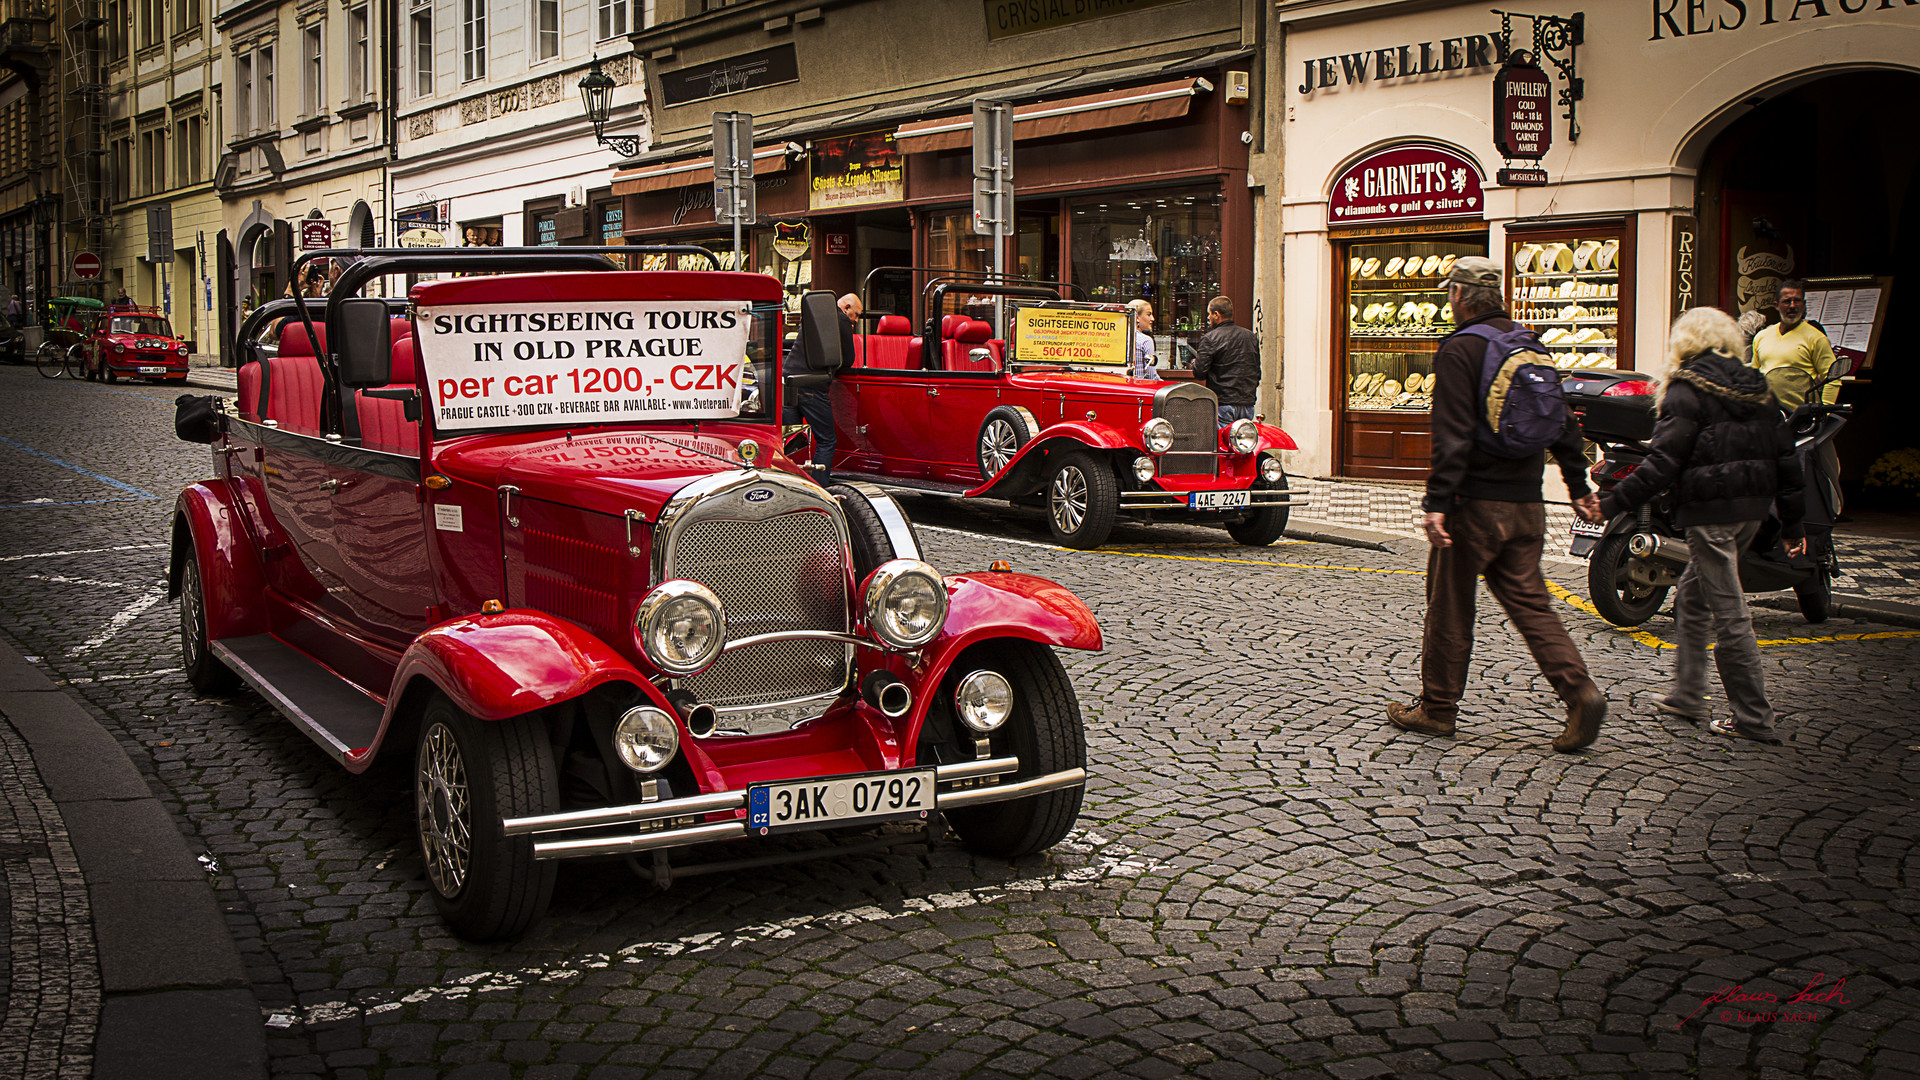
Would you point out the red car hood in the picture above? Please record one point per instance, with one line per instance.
(141, 342)
(1084, 384)
(609, 472)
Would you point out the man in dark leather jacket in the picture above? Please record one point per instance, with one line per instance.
(1721, 445)
(1228, 362)
(814, 405)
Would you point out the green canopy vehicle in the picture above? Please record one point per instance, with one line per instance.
(69, 322)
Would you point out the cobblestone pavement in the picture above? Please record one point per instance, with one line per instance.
(1266, 880)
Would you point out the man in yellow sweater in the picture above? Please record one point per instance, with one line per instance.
(1792, 353)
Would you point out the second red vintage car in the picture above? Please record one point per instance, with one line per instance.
(133, 343)
(1051, 415)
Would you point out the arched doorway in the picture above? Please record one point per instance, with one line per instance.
(1807, 183)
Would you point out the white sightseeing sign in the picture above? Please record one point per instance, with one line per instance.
(525, 365)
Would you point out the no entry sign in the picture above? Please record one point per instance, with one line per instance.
(86, 266)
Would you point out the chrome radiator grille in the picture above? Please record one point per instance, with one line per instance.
(1194, 413)
(785, 572)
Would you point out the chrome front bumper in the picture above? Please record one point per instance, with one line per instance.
(555, 825)
(1177, 500)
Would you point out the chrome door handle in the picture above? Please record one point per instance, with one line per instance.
(933, 391)
(329, 485)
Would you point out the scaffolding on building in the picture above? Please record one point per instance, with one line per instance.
(83, 86)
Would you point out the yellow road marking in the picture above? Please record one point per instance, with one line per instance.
(1650, 640)
(1259, 562)
(1583, 604)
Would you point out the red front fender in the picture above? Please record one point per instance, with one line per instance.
(1026, 471)
(1272, 438)
(208, 529)
(499, 666)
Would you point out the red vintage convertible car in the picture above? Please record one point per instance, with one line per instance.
(534, 527)
(1052, 415)
(133, 343)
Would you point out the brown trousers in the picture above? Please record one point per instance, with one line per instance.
(1501, 540)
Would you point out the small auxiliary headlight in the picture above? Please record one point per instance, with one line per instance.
(984, 700)
(1243, 437)
(645, 738)
(1157, 434)
(906, 603)
(1270, 469)
(1143, 468)
(681, 627)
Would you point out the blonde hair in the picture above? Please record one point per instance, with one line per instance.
(1704, 329)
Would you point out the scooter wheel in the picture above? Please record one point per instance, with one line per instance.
(1616, 596)
(1816, 595)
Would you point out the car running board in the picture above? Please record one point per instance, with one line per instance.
(332, 711)
(925, 487)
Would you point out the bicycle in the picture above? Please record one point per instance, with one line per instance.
(54, 361)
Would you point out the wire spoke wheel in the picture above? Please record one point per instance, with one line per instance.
(446, 810)
(51, 360)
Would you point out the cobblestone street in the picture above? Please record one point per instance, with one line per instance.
(1267, 879)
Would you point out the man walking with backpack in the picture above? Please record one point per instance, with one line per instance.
(1484, 513)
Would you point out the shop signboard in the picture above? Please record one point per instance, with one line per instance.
(792, 239)
(1522, 110)
(856, 170)
(1407, 182)
(1686, 264)
(316, 234)
(748, 71)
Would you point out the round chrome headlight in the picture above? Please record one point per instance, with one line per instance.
(906, 603)
(1243, 436)
(645, 738)
(984, 700)
(1157, 433)
(681, 627)
(1270, 469)
(1143, 468)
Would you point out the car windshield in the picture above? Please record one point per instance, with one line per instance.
(514, 365)
(140, 324)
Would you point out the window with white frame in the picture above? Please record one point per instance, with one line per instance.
(473, 40)
(359, 56)
(187, 159)
(121, 163)
(153, 22)
(153, 154)
(186, 15)
(116, 29)
(612, 18)
(422, 20)
(313, 100)
(546, 29)
(266, 108)
(243, 93)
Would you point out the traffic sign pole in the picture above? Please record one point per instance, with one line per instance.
(993, 186)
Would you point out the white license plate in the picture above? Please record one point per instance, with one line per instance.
(1218, 500)
(839, 800)
(1582, 528)
(153, 371)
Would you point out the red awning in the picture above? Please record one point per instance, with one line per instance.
(692, 173)
(1115, 108)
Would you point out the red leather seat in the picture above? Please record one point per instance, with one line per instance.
(892, 344)
(960, 343)
(383, 422)
(294, 386)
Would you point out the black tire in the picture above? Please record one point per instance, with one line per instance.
(1265, 525)
(205, 672)
(868, 535)
(467, 776)
(1816, 594)
(1615, 596)
(1002, 434)
(106, 372)
(1083, 498)
(1046, 733)
(51, 360)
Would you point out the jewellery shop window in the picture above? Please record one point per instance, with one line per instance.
(1163, 248)
(1397, 312)
(1571, 284)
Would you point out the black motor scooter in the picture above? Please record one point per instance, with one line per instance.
(1637, 557)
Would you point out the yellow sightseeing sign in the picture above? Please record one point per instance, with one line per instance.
(1061, 335)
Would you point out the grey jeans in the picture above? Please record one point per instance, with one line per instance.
(1708, 602)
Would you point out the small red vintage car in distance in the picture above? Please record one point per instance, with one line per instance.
(1050, 415)
(534, 528)
(128, 342)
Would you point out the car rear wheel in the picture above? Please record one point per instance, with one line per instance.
(1002, 434)
(1616, 596)
(1082, 500)
(468, 776)
(205, 672)
(1047, 734)
(1265, 524)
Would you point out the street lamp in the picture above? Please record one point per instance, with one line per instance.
(596, 93)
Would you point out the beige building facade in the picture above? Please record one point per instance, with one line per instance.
(1721, 147)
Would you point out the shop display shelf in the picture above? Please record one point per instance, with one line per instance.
(1532, 274)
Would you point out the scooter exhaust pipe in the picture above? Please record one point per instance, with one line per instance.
(1659, 548)
(884, 691)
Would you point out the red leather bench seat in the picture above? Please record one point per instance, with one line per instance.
(383, 422)
(294, 387)
(892, 344)
(963, 339)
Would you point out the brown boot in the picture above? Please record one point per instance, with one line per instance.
(1583, 722)
(1414, 718)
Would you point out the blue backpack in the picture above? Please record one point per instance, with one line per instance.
(1525, 412)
